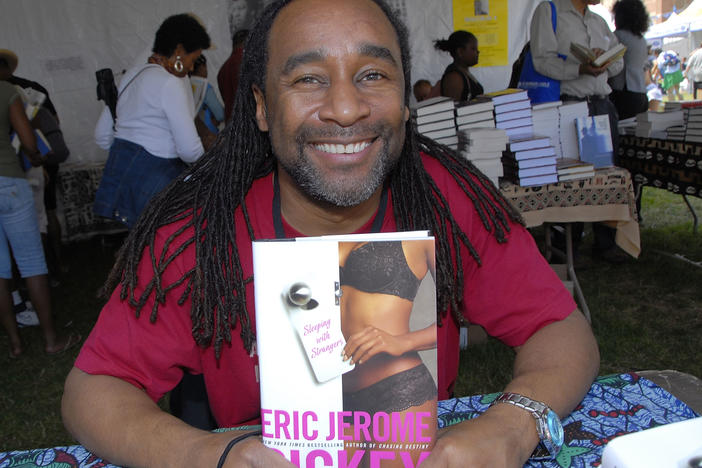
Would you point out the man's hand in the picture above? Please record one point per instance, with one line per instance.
(590, 69)
(494, 439)
(251, 453)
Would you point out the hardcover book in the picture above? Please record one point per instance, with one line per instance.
(507, 95)
(435, 104)
(479, 104)
(330, 394)
(595, 140)
(587, 55)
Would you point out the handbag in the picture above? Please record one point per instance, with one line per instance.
(540, 88)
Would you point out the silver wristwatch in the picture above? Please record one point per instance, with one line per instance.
(548, 425)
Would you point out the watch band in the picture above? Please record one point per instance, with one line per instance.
(550, 442)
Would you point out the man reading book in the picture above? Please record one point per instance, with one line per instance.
(576, 24)
(319, 142)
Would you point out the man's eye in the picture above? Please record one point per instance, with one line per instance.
(373, 76)
(307, 80)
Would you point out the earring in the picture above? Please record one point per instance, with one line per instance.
(178, 65)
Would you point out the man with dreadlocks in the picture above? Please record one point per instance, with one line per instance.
(319, 142)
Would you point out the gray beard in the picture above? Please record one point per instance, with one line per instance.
(343, 191)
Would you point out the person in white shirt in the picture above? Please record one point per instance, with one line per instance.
(579, 81)
(153, 136)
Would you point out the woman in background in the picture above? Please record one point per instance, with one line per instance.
(153, 136)
(457, 82)
(629, 87)
(19, 227)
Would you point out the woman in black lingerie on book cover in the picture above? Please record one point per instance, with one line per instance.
(379, 282)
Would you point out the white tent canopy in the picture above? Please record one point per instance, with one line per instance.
(678, 24)
(62, 43)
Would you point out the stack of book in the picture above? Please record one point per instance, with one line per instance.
(627, 126)
(484, 147)
(571, 169)
(530, 161)
(568, 113)
(435, 119)
(547, 122)
(476, 113)
(692, 115)
(693, 125)
(651, 124)
(513, 112)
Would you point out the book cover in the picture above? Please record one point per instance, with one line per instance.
(443, 133)
(42, 145)
(507, 95)
(476, 117)
(586, 55)
(528, 163)
(513, 106)
(594, 140)
(532, 153)
(479, 104)
(519, 132)
(435, 104)
(573, 166)
(522, 173)
(518, 114)
(320, 301)
(537, 180)
(506, 124)
(435, 117)
(528, 143)
(576, 176)
(438, 125)
(489, 123)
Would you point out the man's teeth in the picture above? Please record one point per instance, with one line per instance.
(343, 149)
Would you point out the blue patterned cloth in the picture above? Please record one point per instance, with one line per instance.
(614, 406)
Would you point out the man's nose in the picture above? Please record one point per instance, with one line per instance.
(344, 104)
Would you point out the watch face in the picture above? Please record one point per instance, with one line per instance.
(555, 428)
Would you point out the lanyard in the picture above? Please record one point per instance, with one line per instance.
(278, 216)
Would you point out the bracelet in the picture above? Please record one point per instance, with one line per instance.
(232, 443)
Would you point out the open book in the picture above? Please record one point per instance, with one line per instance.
(587, 55)
(313, 297)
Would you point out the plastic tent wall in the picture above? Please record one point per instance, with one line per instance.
(61, 43)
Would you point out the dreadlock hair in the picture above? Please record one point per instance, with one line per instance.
(205, 197)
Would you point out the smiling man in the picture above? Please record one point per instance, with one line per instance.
(320, 142)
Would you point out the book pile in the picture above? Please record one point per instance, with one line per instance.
(651, 124)
(484, 147)
(512, 112)
(530, 161)
(568, 113)
(546, 118)
(693, 124)
(571, 169)
(435, 119)
(476, 113)
(627, 126)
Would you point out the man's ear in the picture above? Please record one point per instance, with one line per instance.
(407, 113)
(261, 114)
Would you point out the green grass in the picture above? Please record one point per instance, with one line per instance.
(646, 314)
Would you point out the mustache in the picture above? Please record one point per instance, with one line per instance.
(307, 134)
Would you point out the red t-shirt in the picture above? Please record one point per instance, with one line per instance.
(512, 294)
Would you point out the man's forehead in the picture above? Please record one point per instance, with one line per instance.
(332, 27)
